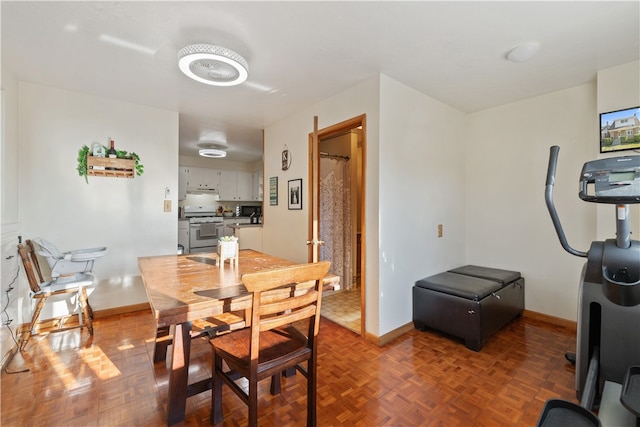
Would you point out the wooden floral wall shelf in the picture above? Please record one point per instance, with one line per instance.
(124, 165)
(105, 166)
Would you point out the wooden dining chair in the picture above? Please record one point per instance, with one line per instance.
(41, 290)
(272, 344)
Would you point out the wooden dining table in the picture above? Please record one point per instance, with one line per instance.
(183, 289)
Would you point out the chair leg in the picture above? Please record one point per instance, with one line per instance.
(253, 402)
(84, 304)
(89, 309)
(34, 319)
(275, 384)
(216, 391)
(311, 391)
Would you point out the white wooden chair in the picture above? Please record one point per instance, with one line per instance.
(41, 290)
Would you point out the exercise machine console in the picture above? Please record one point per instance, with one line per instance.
(608, 341)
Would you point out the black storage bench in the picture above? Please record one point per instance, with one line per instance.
(469, 302)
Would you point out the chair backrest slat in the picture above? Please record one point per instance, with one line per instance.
(270, 279)
(287, 318)
(31, 265)
(288, 303)
(34, 260)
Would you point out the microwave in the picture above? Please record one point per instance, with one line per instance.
(248, 210)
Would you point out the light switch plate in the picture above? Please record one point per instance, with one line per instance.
(167, 205)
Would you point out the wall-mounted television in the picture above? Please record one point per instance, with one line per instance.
(620, 130)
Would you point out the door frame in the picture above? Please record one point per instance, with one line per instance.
(314, 189)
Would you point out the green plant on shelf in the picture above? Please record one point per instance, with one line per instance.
(120, 154)
(82, 162)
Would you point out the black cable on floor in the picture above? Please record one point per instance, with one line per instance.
(8, 321)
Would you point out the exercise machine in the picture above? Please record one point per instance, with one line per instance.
(607, 356)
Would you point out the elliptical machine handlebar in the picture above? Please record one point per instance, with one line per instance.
(548, 198)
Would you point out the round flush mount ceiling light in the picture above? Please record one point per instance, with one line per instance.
(212, 152)
(524, 52)
(213, 65)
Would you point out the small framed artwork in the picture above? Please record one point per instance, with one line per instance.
(273, 191)
(295, 194)
(286, 158)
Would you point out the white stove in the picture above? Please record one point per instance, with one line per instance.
(201, 214)
(204, 219)
(204, 228)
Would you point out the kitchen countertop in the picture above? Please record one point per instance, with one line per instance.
(243, 225)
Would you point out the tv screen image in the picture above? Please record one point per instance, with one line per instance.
(620, 130)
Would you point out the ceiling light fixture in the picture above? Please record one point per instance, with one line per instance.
(213, 65)
(212, 152)
(524, 52)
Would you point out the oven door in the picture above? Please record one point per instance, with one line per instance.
(204, 237)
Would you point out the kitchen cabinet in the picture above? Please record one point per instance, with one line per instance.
(183, 178)
(183, 234)
(203, 179)
(227, 185)
(193, 178)
(231, 185)
(235, 185)
(244, 185)
(257, 186)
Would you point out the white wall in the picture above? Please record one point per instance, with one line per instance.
(421, 185)
(8, 164)
(10, 301)
(412, 142)
(126, 215)
(508, 226)
(285, 231)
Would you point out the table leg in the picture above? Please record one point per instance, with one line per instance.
(179, 373)
(163, 339)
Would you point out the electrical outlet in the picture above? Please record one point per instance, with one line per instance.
(439, 230)
(167, 205)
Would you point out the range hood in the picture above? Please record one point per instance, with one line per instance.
(209, 191)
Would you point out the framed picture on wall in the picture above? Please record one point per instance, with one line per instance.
(273, 191)
(620, 130)
(294, 194)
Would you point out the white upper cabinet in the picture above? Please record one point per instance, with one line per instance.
(257, 186)
(235, 185)
(203, 179)
(244, 185)
(227, 185)
(183, 178)
(230, 185)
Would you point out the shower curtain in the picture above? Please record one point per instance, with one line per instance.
(335, 218)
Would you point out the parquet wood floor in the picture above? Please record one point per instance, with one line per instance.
(419, 379)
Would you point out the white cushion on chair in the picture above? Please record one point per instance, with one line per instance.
(63, 263)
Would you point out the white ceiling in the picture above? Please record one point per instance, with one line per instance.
(302, 52)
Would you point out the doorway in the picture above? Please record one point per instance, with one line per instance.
(340, 212)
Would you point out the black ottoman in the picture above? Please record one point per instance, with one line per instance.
(469, 302)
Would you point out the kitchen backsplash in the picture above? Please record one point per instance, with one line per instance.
(211, 200)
